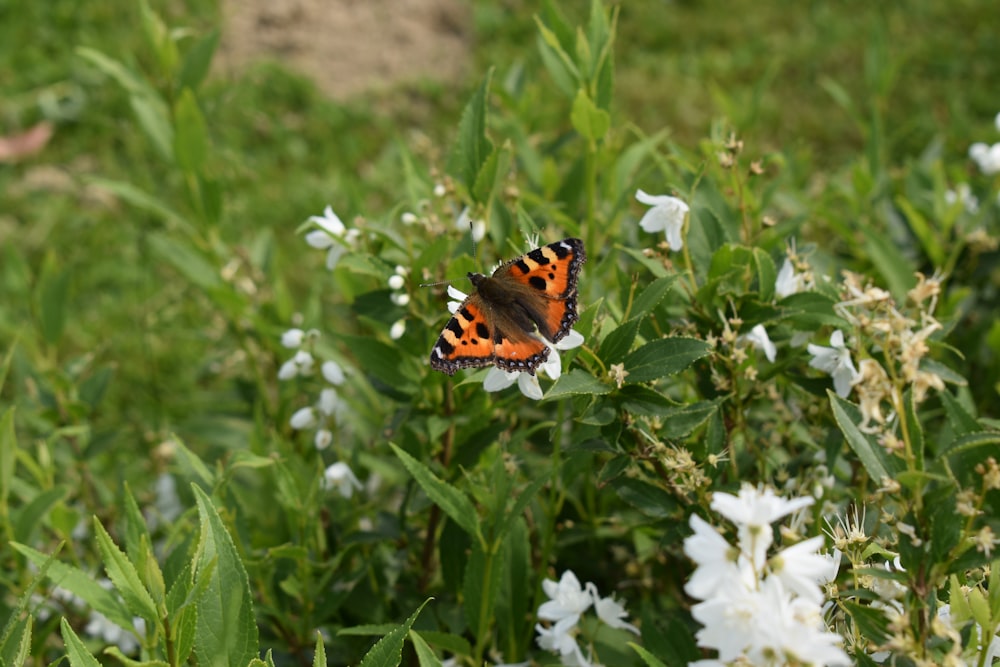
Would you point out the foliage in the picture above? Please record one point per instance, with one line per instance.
(237, 531)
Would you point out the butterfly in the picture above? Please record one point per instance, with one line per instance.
(509, 317)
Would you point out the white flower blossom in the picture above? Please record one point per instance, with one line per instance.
(666, 215)
(758, 338)
(293, 338)
(303, 418)
(962, 193)
(332, 372)
(331, 236)
(323, 438)
(567, 599)
(397, 329)
(789, 281)
(340, 477)
(986, 157)
(835, 360)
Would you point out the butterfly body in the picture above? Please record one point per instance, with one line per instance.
(509, 317)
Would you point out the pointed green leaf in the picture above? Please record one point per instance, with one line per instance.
(226, 629)
(425, 656)
(8, 457)
(197, 61)
(388, 652)
(186, 260)
(124, 576)
(53, 297)
(647, 657)
(77, 653)
(191, 135)
(319, 657)
(577, 381)
(16, 640)
(870, 453)
(452, 501)
(651, 297)
(663, 357)
(589, 121)
(480, 588)
(473, 147)
(79, 583)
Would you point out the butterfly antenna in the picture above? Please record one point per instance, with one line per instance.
(443, 282)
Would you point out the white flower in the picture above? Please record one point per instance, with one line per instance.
(288, 370)
(397, 329)
(458, 296)
(986, 157)
(962, 193)
(293, 338)
(788, 281)
(464, 221)
(340, 477)
(800, 568)
(498, 379)
(753, 511)
(323, 439)
(758, 338)
(328, 402)
(718, 564)
(439, 190)
(303, 418)
(408, 218)
(396, 281)
(667, 215)
(567, 599)
(400, 299)
(611, 611)
(332, 235)
(558, 640)
(333, 373)
(835, 360)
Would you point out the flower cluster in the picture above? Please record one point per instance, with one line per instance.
(756, 608)
(567, 602)
(328, 405)
(399, 297)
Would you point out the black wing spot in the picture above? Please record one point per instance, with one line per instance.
(538, 256)
(522, 266)
(538, 282)
(482, 330)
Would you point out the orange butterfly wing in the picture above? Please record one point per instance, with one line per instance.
(507, 320)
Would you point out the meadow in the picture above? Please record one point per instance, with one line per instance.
(759, 425)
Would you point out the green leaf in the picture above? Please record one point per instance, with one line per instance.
(577, 381)
(8, 457)
(681, 421)
(871, 622)
(16, 640)
(197, 61)
(151, 112)
(592, 123)
(143, 201)
(388, 652)
(960, 419)
(319, 657)
(480, 588)
(473, 147)
(53, 297)
(383, 363)
(651, 297)
(617, 344)
(186, 260)
(452, 501)
(810, 310)
(79, 583)
(766, 274)
(191, 135)
(647, 657)
(888, 260)
(77, 653)
(124, 576)
(558, 63)
(872, 456)
(5, 364)
(425, 656)
(30, 517)
(226, 630)
(663, 357)
(648, 499)
(447, 642)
